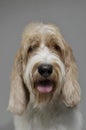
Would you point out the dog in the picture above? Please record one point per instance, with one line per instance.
(45, 92)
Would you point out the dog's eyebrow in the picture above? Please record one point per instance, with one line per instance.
(54, 39)
(34, 39)
(51, 39)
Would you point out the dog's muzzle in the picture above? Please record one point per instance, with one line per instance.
(45, 85)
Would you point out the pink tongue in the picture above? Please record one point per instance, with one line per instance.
(44, 89)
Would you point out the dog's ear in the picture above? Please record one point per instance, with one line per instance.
(18, 92)
(71, 90)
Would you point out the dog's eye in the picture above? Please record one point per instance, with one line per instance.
(31, 48)
(57, 48)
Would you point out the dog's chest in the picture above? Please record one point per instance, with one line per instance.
(49, 119)
(43, 122)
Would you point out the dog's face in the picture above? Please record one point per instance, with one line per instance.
(44, 70)
(47, 69)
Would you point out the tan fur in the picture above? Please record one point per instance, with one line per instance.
(70, 91)
(18, 97)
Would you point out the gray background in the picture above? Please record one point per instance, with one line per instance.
(69, 15)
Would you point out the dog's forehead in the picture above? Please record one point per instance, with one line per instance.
(39, 33)
(45, 29)
(42, 32)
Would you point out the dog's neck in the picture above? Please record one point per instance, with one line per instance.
(52, 109)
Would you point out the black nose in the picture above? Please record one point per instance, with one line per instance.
(45, 70)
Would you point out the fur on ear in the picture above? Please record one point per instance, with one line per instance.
(71, 90)
(19, 95)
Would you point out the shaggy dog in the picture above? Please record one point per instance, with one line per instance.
(44, 89)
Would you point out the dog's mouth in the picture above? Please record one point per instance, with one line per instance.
(45, 86)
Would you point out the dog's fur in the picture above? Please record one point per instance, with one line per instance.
(56, 110)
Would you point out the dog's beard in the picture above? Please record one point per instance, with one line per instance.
(44, 89)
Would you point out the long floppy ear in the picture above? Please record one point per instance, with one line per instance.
(18, 92)
(71, 90)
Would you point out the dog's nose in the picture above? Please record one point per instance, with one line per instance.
(45, 70)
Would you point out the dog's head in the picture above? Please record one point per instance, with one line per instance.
(44, 69)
